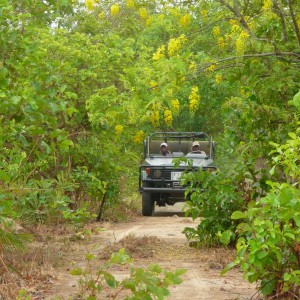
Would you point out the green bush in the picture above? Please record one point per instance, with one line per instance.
(268, 247)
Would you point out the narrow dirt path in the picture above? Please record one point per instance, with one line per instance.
(202, 279)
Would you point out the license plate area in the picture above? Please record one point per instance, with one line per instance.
(175, 176)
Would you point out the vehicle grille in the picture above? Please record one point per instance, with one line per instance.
(165, 173)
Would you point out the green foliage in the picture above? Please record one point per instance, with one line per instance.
(296, 101)
(286, 156)
(268, 247)
(213, 199)
(149, 283)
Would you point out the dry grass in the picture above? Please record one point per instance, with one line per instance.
(144, 247)
(121, 212)
(33, 268)
(136, 246)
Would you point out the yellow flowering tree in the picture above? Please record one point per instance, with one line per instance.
(194, 98)
(168, 117)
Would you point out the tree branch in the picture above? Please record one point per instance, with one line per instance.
(236, 11)
(280, 13)
(294, 21)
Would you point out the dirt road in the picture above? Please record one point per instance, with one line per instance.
(202, 279)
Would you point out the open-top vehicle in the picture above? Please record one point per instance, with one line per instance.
(159, 180)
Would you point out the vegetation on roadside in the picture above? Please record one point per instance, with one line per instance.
(151, 282)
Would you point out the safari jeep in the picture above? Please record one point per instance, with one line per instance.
(159, 181)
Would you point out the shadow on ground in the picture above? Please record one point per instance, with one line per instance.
(169, 210)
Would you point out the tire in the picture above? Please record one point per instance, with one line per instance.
(147, 204)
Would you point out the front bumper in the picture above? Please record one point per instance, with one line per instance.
(162, 190)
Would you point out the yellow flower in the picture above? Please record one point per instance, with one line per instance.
(185, 21)
(169, 92)
(218, 78)
(143, 13)
(240, 43)
(160, 53)
(183, 39)
(216, 31)
(267, 6)
(154, 118)
(235, 28)
(175, 11)
(193, 67)
(228, 37)
(194, 98)
(153, 84)
(175, 106)
(119, 129)
(204, 13)
(168, 117)
(244, 34)
(89, 4)
(101, 15)
(130, 3)
(221, 42)
(115, 9)
(149, 21)
(139, 137)
(212, 67)
(174, 44)
(233, 22)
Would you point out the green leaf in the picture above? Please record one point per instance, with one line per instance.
(287, 276)
(296, 101)
(262, 254)
(129, 284)
(155, 268)
(65, 145)
(292, 135)
(238, 215)
(297, 220)
(290, 235)
(71, 110)
(110, 280)
(120, 257)
(62, 88)
(179, 272)
(225, 237)
(15, 99)
(272, 171)
(76, 272)
(4, 176)
(89, 256)
(229, 267)
(267, 286)
(243, 227)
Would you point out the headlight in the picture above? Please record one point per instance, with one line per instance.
(156, 173)
(212, 170)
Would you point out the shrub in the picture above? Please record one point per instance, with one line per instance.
(149, 283)
(268, 247)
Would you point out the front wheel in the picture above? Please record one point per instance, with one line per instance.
(147, 204)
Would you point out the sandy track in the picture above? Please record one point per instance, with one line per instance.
(202, 279)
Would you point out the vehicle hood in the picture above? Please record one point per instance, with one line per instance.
(168, 162)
